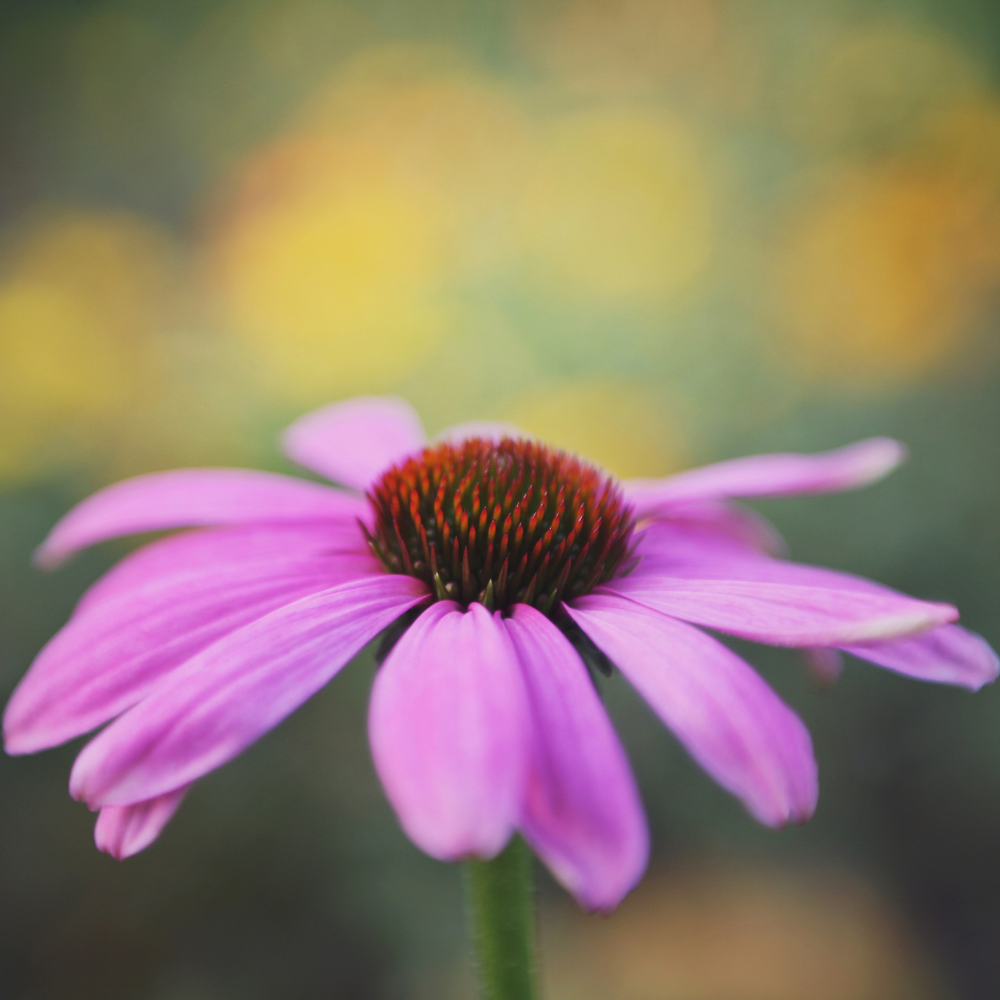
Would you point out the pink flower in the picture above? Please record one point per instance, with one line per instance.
(503, 558)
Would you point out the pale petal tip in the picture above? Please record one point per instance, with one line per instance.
(48, 556)
(877, 458)
(107, 840)
(474, 847)
(989, 668)
(598, 907)
(19, 735)
(796, 812)
(603, 899)
(14, 744)
(804, 810)
(78, 784)
(122, 831)
(793, 819)
(889, 627)
(598, 883)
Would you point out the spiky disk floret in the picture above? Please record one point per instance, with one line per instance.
(501, 523)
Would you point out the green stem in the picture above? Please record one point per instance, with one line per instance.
(500, 895)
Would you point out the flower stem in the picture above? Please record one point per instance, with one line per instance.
(501, 904)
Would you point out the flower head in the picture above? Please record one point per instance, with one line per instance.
(496, 558)
(500, 523)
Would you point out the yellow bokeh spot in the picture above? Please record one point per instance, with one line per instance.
(439, 126)
(57, 361)
(80, 297)
(619, 425)
(338, 257)
(332, 284)
(619, 209)
(58, 366)
(879, 278)
(122, 266)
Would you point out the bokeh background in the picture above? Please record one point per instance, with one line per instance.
(658, 232)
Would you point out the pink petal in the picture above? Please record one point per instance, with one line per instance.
(208, 549)
(114, 651)
(193, 498)
(770, 476)
(948, 655)
(582, 814)
(228, 695)
(122, 831)
(784, 614)
(726, 717)
(449, 732)
(353, 442)
(490, 430)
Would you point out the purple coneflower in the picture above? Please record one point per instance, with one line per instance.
(496, 564)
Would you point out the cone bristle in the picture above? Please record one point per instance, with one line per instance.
(501, 523)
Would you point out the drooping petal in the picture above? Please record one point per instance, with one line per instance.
(449, 732)
(784, 614)
(582, 813)
(113, 652)
(669, 553)
(188, 498)
(770, 476)
(490, 430)
(208, 549)
(122, 831)
(948, 655)
(719, 708)
(352, 442)
(227, 696)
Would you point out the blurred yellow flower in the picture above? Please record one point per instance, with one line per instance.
(123, 266)
(620, 425)
(619, 209)
(443, 127)
(57, 367)
(339, 255)
(880, 276)
(883, 270)
(330, 278)
(79, 294)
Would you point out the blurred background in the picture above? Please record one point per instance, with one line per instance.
(658, 232)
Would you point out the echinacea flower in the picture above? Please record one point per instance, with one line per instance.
(494, 562)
